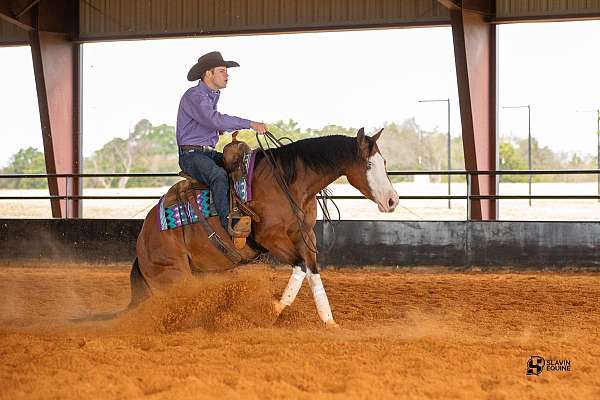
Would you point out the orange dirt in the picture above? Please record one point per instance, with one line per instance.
(411, 334)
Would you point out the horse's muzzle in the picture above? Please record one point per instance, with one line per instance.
(389, 203)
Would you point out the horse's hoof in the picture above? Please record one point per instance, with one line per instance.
(331, 324)
(278, 307)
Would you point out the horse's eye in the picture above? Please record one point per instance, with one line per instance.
(369, 164)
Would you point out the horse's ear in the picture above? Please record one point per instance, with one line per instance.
(376, 136)
(363, 144)
(360, 136)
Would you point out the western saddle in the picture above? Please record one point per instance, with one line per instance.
(240, 215)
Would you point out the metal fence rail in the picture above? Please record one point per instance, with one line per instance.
(469, 175)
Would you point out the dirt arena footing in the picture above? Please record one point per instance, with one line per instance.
(410, 334)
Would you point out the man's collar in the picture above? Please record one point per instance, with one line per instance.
(204, 87)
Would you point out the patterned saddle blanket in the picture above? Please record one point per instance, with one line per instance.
(175, 210)
(182, 213)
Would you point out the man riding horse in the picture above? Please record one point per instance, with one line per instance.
(284, 184)
(199, 125)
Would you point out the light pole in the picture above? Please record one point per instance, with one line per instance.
(597, 111)
(528, 107)
(449, 145)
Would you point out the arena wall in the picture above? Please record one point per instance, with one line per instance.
(351, 243)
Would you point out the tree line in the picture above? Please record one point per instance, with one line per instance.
(405, 146)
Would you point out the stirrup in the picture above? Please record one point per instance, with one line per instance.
(240, 231)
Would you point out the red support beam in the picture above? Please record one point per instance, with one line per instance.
(475, 56)
(56, 63)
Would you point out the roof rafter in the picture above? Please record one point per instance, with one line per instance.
(45, 15)
(17, 12)
(484, 7)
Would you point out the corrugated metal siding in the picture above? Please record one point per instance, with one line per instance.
(12, 35)
(100, 19)
(138, 18)
(545, 8)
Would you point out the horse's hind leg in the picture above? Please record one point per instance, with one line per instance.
(140, 290)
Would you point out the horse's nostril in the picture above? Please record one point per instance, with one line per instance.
(391, 202)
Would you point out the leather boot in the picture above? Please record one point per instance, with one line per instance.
(240, 231)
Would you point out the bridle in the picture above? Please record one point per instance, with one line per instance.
(272, 142)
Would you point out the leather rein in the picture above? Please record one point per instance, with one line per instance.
(272, 142)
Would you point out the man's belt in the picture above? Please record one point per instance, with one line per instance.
(190, 147)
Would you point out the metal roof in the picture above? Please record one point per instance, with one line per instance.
(136, 19)
(532, 10)
(125, 19)
(12, 35)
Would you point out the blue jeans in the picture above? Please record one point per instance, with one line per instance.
(206, 167)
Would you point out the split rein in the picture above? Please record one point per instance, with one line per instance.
(272, 142)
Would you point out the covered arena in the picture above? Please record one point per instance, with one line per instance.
(479, 308)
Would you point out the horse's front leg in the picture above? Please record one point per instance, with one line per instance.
(291, 290)
(310, 270)
(318, 290)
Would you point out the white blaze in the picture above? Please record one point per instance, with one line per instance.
(380, 184)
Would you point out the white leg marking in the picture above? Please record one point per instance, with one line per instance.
(320, 297)
(293, 287)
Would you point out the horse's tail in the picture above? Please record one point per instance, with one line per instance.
(140, 290)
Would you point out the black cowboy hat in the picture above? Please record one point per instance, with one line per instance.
(206, 62)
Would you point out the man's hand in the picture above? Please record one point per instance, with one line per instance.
(259, 127)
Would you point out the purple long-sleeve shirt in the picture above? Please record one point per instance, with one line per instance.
(199, 122)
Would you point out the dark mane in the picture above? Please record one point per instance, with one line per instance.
(321, 154)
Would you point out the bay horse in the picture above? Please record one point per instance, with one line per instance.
(308, 165)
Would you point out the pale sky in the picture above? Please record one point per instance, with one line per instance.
(359, 78)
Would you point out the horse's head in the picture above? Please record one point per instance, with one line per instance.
(369, 174)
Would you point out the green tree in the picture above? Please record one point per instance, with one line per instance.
(405, 146)
(287, 131)
(25, 161)
(398, 143)
(511, 159)
(146, 149)
(332, 130)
